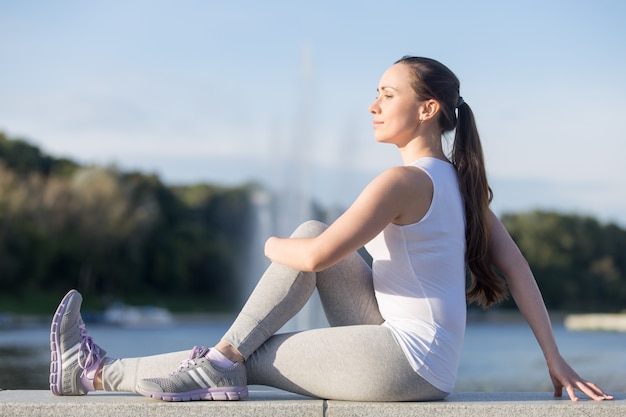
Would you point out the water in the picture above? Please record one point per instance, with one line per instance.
(496, 357)
(506, 357)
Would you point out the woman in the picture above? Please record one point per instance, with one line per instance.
(396, 329)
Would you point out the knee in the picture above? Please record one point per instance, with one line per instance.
(310, 228)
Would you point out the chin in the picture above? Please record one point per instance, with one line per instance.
(381, 138)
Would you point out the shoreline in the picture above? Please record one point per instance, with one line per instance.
(571, 321)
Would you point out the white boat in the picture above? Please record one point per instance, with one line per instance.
(124, 315)
(604, 322)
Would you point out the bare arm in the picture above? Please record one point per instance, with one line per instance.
(510, 261)
(386, 199)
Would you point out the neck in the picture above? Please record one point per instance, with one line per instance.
(421, 147)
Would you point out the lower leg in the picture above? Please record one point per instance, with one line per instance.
(122, 375)
(279, 295)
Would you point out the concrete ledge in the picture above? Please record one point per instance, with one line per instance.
(272, 403)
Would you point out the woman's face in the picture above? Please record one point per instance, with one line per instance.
(396, 109)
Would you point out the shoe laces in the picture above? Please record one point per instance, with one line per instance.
(92, 351)
(196, 353)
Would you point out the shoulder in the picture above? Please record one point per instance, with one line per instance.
(408, 190)
(400, 186)
(406, 177)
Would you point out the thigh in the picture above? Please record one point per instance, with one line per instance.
(354, 363)
(346, 291)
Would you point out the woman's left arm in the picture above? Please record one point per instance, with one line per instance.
(507, 257)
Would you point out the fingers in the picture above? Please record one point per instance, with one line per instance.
(563, 376)
(588, 388)
(571, 393)
(593, 391)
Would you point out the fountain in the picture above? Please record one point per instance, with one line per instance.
(280, 211)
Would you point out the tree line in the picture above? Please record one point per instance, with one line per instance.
(104, 231)
(579, 263)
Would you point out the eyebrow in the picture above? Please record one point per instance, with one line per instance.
(386, 87)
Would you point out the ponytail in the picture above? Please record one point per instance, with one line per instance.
(485, 288)
(433, 80)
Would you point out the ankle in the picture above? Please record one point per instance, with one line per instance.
(97, 382)
(229, 351)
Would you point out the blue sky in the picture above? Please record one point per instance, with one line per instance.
(225, 92)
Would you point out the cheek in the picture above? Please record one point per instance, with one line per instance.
(406, 124)
(400, 124)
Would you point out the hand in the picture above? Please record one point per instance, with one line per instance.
(563, 376)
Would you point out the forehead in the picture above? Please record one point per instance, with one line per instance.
(397, 76)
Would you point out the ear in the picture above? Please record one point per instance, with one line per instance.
(429, 109)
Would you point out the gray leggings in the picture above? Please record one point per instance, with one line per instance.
(355, 359)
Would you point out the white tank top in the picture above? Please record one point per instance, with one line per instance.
(419, 279)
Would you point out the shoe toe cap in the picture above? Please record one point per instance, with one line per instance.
(148, 385)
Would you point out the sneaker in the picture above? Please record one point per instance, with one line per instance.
(198, 378)
(74, 357)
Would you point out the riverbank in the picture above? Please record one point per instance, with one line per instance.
(495, 316)
(573, 322)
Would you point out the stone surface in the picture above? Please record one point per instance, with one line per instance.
(484, 405)
(274, 403)
(260, 403)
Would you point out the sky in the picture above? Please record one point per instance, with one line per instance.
(277, 92)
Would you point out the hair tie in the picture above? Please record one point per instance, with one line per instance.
(460, 102)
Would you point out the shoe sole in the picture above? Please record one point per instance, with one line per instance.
(204, 394)
(56, 374)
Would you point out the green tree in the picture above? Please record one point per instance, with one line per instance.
(578, 263)
(114, 233)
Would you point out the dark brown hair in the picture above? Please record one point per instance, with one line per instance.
(433, 80)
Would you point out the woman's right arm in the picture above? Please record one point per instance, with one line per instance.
(383, 201)
(507, 257)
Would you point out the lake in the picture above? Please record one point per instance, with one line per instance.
(496, 357)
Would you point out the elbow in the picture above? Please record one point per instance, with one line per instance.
(314, 264)
(318, 260)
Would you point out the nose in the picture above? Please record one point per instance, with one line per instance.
(374, 108)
